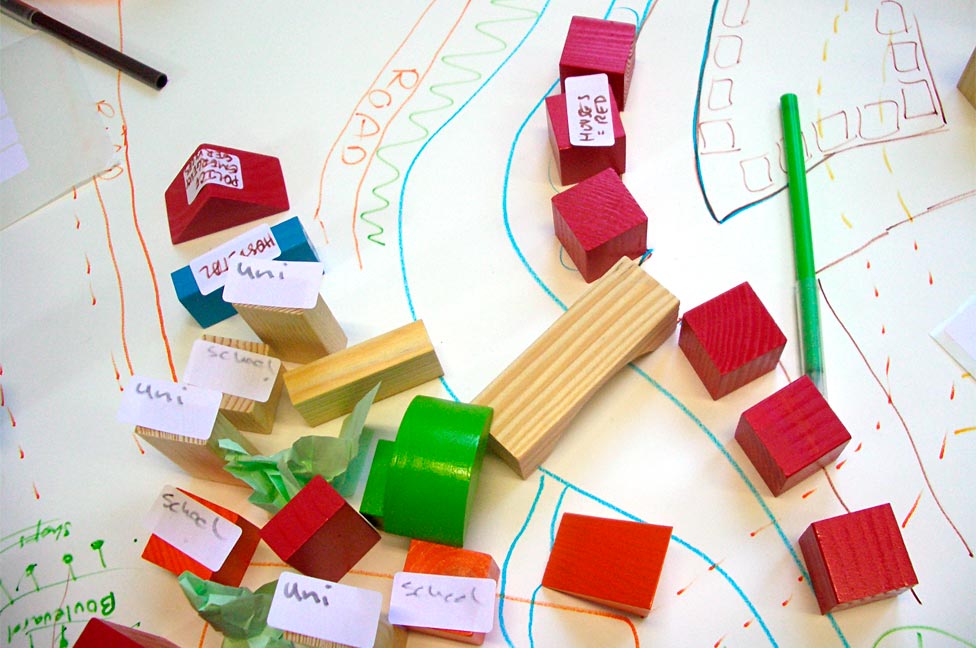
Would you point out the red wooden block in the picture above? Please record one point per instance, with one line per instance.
(105, 634)
(857, 558)
(616, 563)
(318, 533)
(598, 222)
(431, 558)
(731, 340)
(231, 573)
(577, 163)
(220, 187)
(791, 434)
(595, 46)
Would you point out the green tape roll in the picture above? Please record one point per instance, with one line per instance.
(371, 505)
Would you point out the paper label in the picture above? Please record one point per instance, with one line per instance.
(325, 610)
(231, 371)
(210, 269)
(179, 409)
(588, 110)
(284, 284)
(443, 602)
(957, 335)
(210, 166)
(194, 529)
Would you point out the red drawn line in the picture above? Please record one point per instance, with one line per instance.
(952, 394)
(20, 451)
(859, 446)
(911, 511)
(118, 274)
(87, 264)
(935, 87)
(809, 493)
(37, 494)
(719, 642)
(3, 401)
(135, 437)
(945, 439)
(787, 601)
(840, 464)
(10, 415)
(753, 534)
(91, 291)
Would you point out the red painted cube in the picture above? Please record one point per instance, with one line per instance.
(731, 340)
(598, 222)
(616, 563)
(221, 187)
(105, 634)
(318, 533)
(857, 558)
(577, 163)
(791, 434)
(595, 46)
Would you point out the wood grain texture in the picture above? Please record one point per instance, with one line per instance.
(387, 636)
(295, 334)
(244, 413)
(623, 316)
(99, 633)
(967, 82)
(857, 558)
(595, 46)
(331, 387)
(576, 163)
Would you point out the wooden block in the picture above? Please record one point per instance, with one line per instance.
(857, 558)
(619, 318)
(731, 340)
(598, 222)
(318, 533)
(576, 163)
(791, 434)
(231, 573)
(243, 413)
(199, 458)
(432, 558)
(331, 387)
(99, 633)
(387, 636)
(220, 187)
(616, 563)
(595, 46)
(288, 236)
(295, 334)
(967, 82)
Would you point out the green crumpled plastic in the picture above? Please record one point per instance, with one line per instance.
(278, 478)
(238, 613)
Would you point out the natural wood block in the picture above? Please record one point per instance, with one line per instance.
(199, 458)
(387, 636)
(295, 334)
(99, 633)
(243, 413)
(598, 222)
(857, 558)
(616, 563)
(331, 386)
(595, 46)
(318, 533)
(619, 318)
(791, 434)
(576, 163)
(231, 573)
(731, 340)
(967, 82)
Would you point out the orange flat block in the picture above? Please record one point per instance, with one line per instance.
(616, 563)
(431, 558)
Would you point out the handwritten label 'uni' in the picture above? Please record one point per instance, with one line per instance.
(443, 602)
(175, 408)
(324, 610)
(194, 529)
(283, 284)
(232, 371)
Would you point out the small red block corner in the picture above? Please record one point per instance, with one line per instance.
(99, 633)
(595, 46)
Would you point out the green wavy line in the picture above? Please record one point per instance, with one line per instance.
(436, 90)
(918, 628)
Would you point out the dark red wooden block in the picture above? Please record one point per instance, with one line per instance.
(220, 187)
(577, 163)
(595, 46)
(857, 558)
(318, 533)
(598, 222)
(791, 434)
(105, 634)
(731, 340)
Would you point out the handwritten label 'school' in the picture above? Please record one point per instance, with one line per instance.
(443, 602)
(211, 269)
(232, 371)
(210, 166)
(175, 408)
(588, 110)
(194, 529)
(325, 610)
(283, 284)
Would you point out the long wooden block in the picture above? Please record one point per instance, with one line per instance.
(244, 413)
(295, 334)
(331, 386)
(623, 315)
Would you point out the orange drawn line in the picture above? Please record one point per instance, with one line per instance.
(118, 274)
(952, 392)
(37, 494)
(719, 642)
(579, 610)
(840, 465)
(753, 534)
(809, 493)
(911, 511)
(87, 264)
(91, 291)
(964, 430)
(13, 421)
(787, 601)
(203, 635)
(135, 437)
(3, 401)
(945, 439)
(20, 451)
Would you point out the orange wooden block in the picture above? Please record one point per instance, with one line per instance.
(99, 633)
(431, 558)
(231, 573)
(616, 563)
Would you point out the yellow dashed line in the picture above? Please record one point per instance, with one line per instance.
(830, 172)
(846, 222)
(884, 154)
(826, 43)
(819, 124)
(836, 19)
(905, 207)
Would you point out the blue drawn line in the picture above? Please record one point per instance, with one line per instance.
(535, 594)
(508, 559)
(555, 516)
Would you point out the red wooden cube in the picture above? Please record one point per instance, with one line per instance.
(318, 533)
(731, 340)
(857, 558)
(231, 573)
(791, 434)
(616, 563)
(220, 187)
(577, 163)
(105, 634)
(595, 46)
(598, 222)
